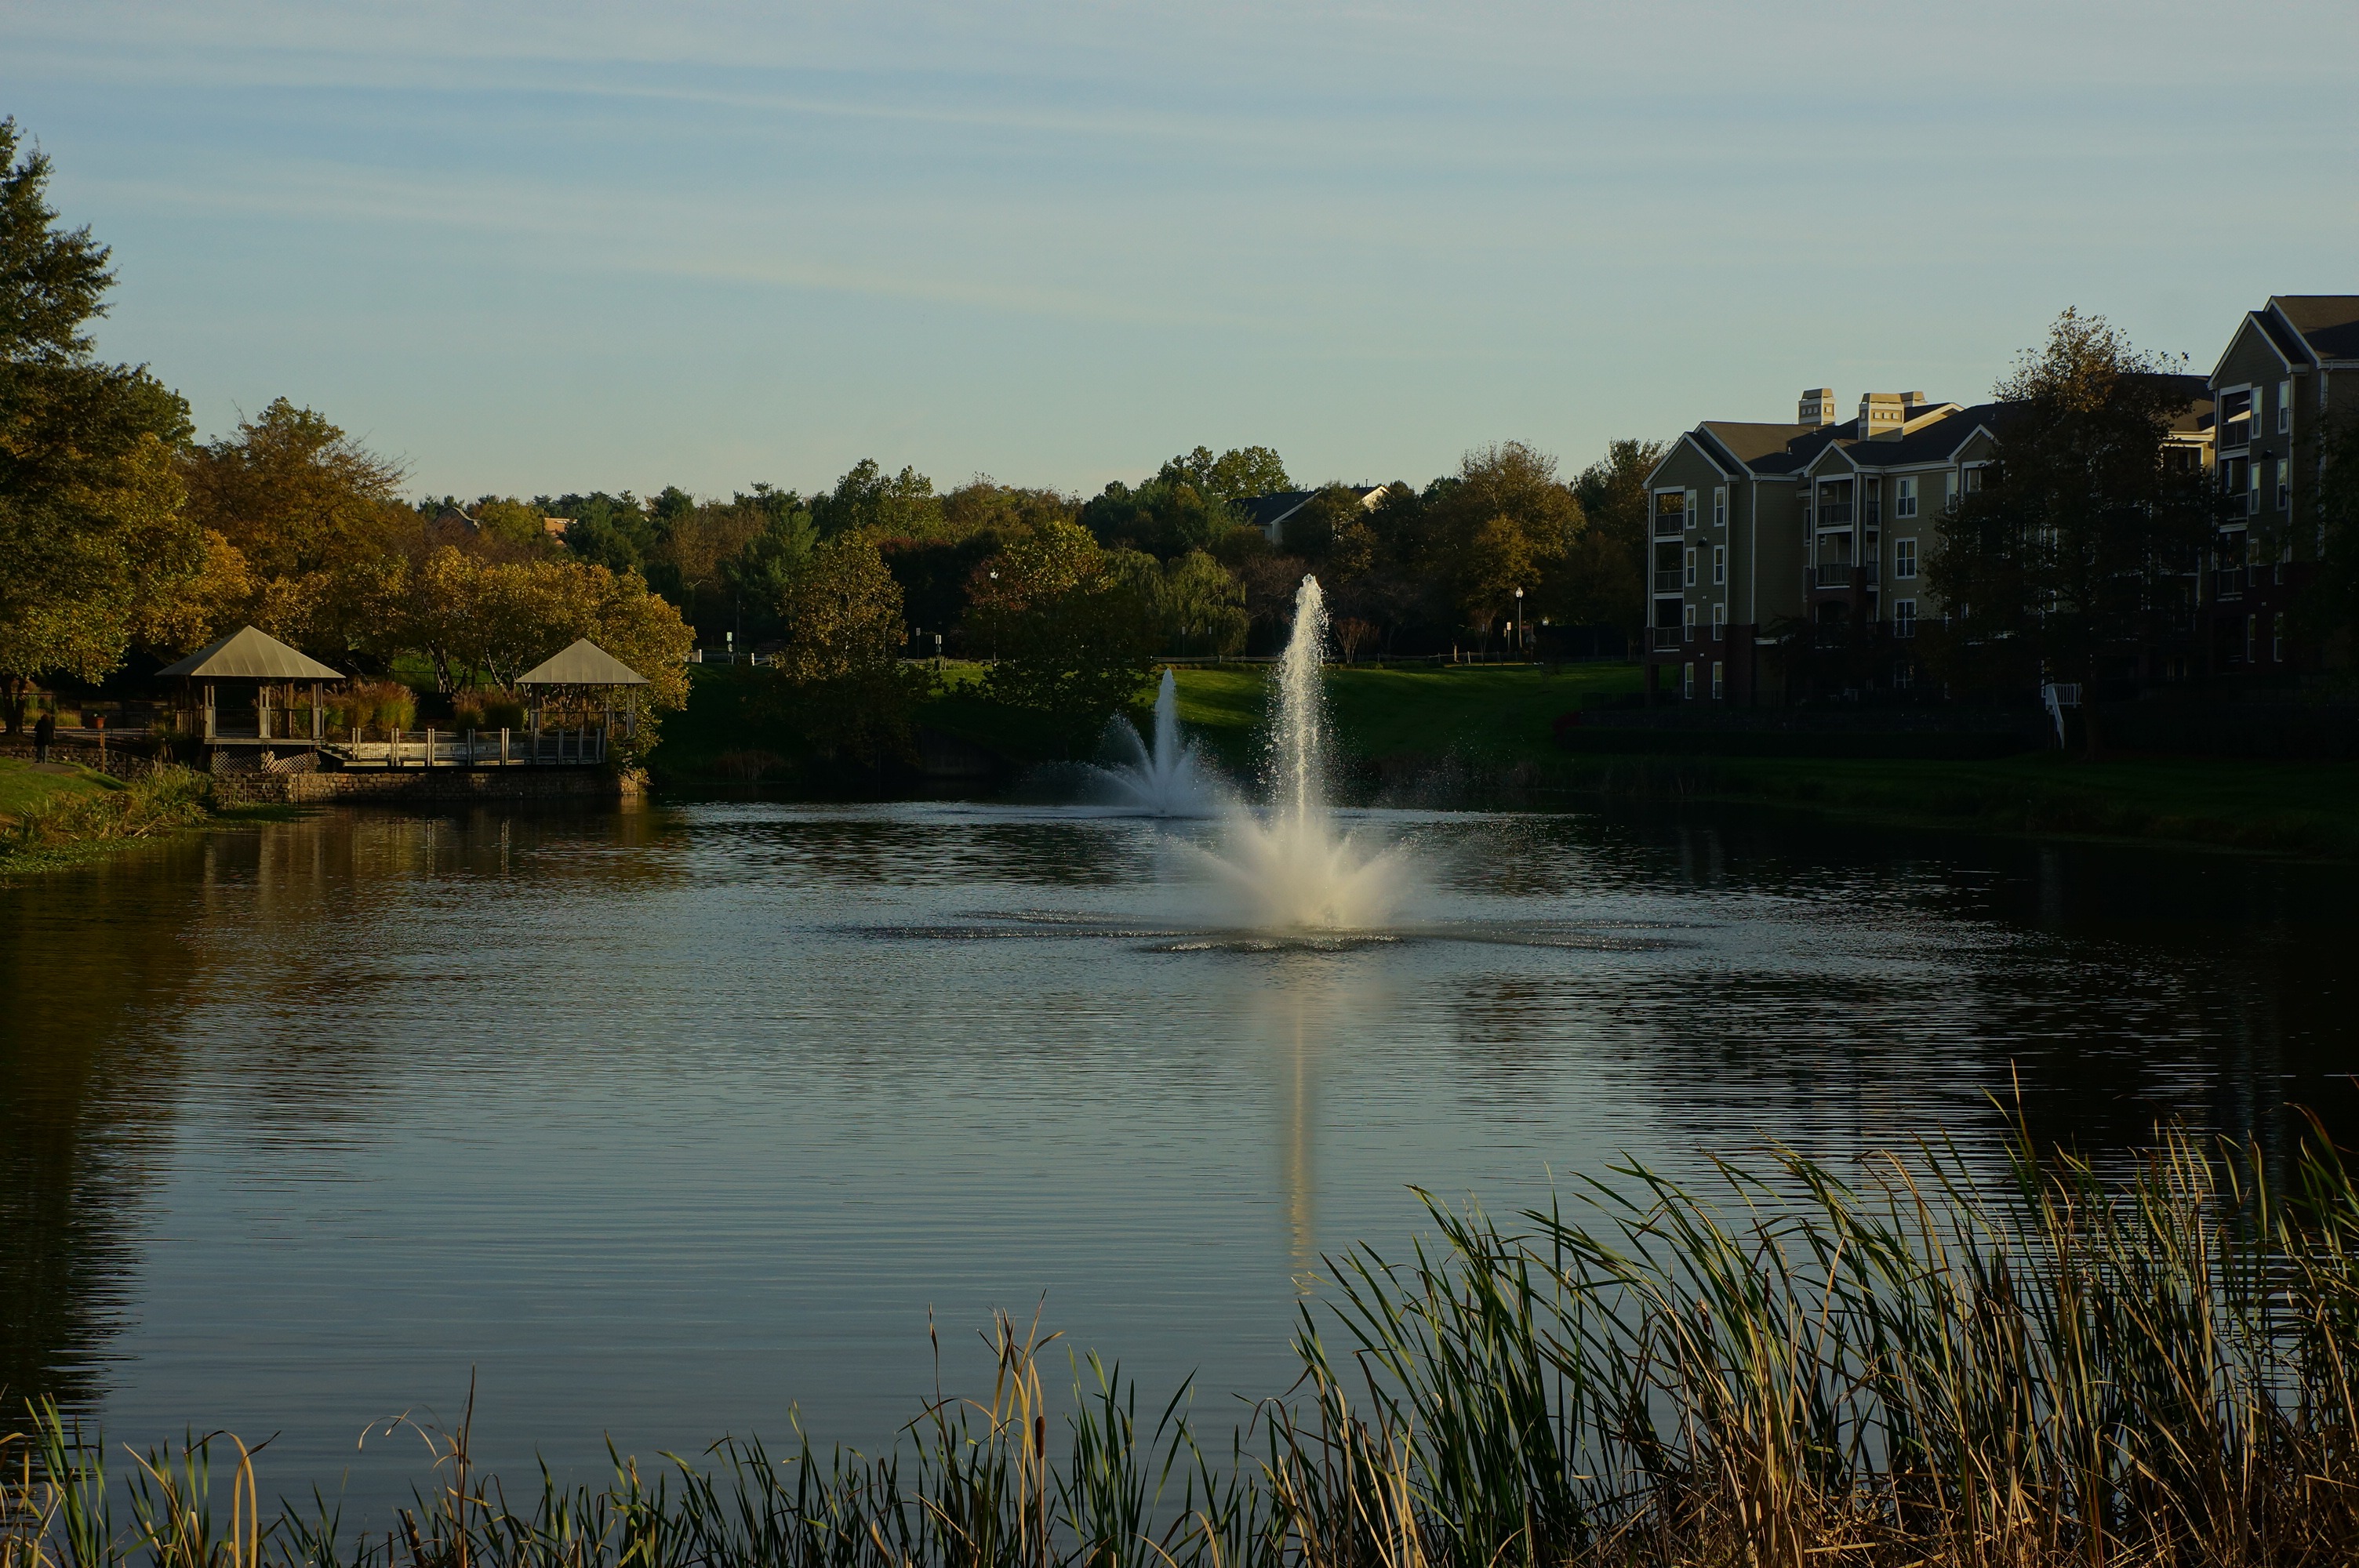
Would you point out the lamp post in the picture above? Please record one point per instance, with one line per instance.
(1519, 620)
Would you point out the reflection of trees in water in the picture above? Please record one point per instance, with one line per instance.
(90, 961)
(2113, 986)
(263, 935)
(900, 852)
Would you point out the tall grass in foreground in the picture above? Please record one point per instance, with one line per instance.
(1915, 1365)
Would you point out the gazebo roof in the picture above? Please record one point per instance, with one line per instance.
(251, 654)
(583, 663)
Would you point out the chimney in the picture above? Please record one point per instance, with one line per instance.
(1882, 414)
(1817, 407)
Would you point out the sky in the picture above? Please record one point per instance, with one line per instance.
(535, 248)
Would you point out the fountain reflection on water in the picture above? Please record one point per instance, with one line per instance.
(1291, 868)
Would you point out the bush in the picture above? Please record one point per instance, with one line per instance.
(166, 798)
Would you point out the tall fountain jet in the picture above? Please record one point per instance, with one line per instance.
(1294, 871)
(1166, 779)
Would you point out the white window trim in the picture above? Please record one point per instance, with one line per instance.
(1719, 506)
(1691, 565)
(1691, 510)
(1904, 613)
(1904, 559)
(1719, 565)
(1716, 677)
(1904, 497)
(2285, 407)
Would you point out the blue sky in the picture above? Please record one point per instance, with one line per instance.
(541, 247)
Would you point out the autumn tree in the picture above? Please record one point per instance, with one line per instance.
(1073, 627)
(901, 506)
(1505, 523)
(839, 683)
(2076, 559)
(92, 540)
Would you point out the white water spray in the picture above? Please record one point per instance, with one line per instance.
(1166, 779)
(1291, 868)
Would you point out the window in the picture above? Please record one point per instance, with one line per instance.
(2253, 490)
(2252, 636)
(1687, 623)
(1690, 566)
(1687, 682)
(1718, 621)
(1904, 558)
(2285, 407)
(2285, 483)
(1720, 562)
(2236, 419)
(1719, 506)
(1973, 480)
(1904, 675)
(1689, 498)
(1903, 499)
(2276, 638)
(1715, 680)
(1904, 618)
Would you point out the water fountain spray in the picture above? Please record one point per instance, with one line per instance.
(1166, 779)
(1293, 871)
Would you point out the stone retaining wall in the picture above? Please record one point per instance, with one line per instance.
(426, 785)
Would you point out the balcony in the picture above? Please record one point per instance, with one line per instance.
(2236, 432)
(1668, 637)
(1834, 514)
(1670, 581)
(1832, 574)
(1670, 526)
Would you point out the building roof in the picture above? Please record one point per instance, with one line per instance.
(2328, 323)
(1268, 511)
(251, 654)
(583, 663)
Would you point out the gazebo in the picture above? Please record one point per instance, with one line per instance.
(581, 677)
(252, 657)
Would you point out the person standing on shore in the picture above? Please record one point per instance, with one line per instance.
(45, 729)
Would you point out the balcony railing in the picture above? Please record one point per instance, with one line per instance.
(1670, 581)
(1670, 637)
(1670, 526)
(1833, 574)
(1834, 514)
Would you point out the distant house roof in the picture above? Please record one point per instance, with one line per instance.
(1270, 512)
(251, 654)
(583, 663)
(2328, 323)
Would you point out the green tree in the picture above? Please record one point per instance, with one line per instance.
(92, 539)
(839, 683)
(1234, 475)
(1073, 627)
(1202, 606)
(1606, 576)
(2077, 558)
(897, 506)
(2329, 610)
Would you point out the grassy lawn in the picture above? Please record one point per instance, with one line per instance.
(22, 787)
(1494, 713)
(2291, 807)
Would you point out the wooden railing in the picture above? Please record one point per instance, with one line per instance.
(475, 749)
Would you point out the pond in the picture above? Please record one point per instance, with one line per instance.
(688, 1118)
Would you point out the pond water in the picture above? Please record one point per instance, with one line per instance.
(684, 1120)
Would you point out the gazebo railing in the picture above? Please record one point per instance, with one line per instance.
(553, 748)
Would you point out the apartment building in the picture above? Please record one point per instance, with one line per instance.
(2287, 367)
(1758, 529)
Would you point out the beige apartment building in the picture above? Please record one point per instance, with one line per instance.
(2287, 368)
(1758, 527)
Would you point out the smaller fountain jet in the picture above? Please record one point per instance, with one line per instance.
(1169, 779)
